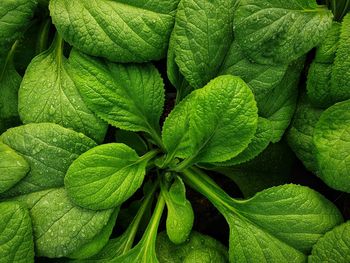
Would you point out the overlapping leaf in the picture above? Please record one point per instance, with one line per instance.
(122, 31)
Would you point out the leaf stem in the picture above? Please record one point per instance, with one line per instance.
(184, 164)
(9, 58)
(150, 155)
(43, 36)
(150, 234)
(345, 9)
(201, 182)
(137, 219)
(157, 139)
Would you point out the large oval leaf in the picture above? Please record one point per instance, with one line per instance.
(278, 32)
(201, 38)
(49, 149)
(332, 143)
(106, 176)
(60, 227)
(122, 31)
(48, 94)
(128, 96)
(221, 121)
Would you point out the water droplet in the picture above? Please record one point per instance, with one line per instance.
(52, 110)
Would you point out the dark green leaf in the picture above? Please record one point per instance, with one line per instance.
(122, 31)
(49, 149)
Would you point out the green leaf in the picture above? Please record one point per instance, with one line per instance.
(276, 225)
(48, 94)
(197, 248)
(319, 85)
(300, 215)
(275, 87)
(334, 246)
(106, 176)
(128, 96)
(326, 51)
(278, 106)
(15, 16)
(12, 167)
(300, 134)
(180, 216)
(222, 119)
(99, 241)
(332, 142)
(260, 141)
(278, 32)
(340, 73)
(175, 134)
(60, 227)
(249, 243)
(16, 240)
(10, 82)
(173, 72)
(121, 31)
(49, 149)
(319, 88)
(202, 36)
(262, 79)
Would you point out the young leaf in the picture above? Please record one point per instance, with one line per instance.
(106, 176)
(10, 82)
(175, 134)
(222, 120)
(12, 167)
(60, 227)
(300, 134)
(198, 248)
(202, 34)
(16, 240)
(278, 32)
(49, 149)
(332, 142)
(334, 245)
(340, 73)
(122, 31)
(275, 225)
(180, 216)
(128, 96)
(48, 94)
(14, 18)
